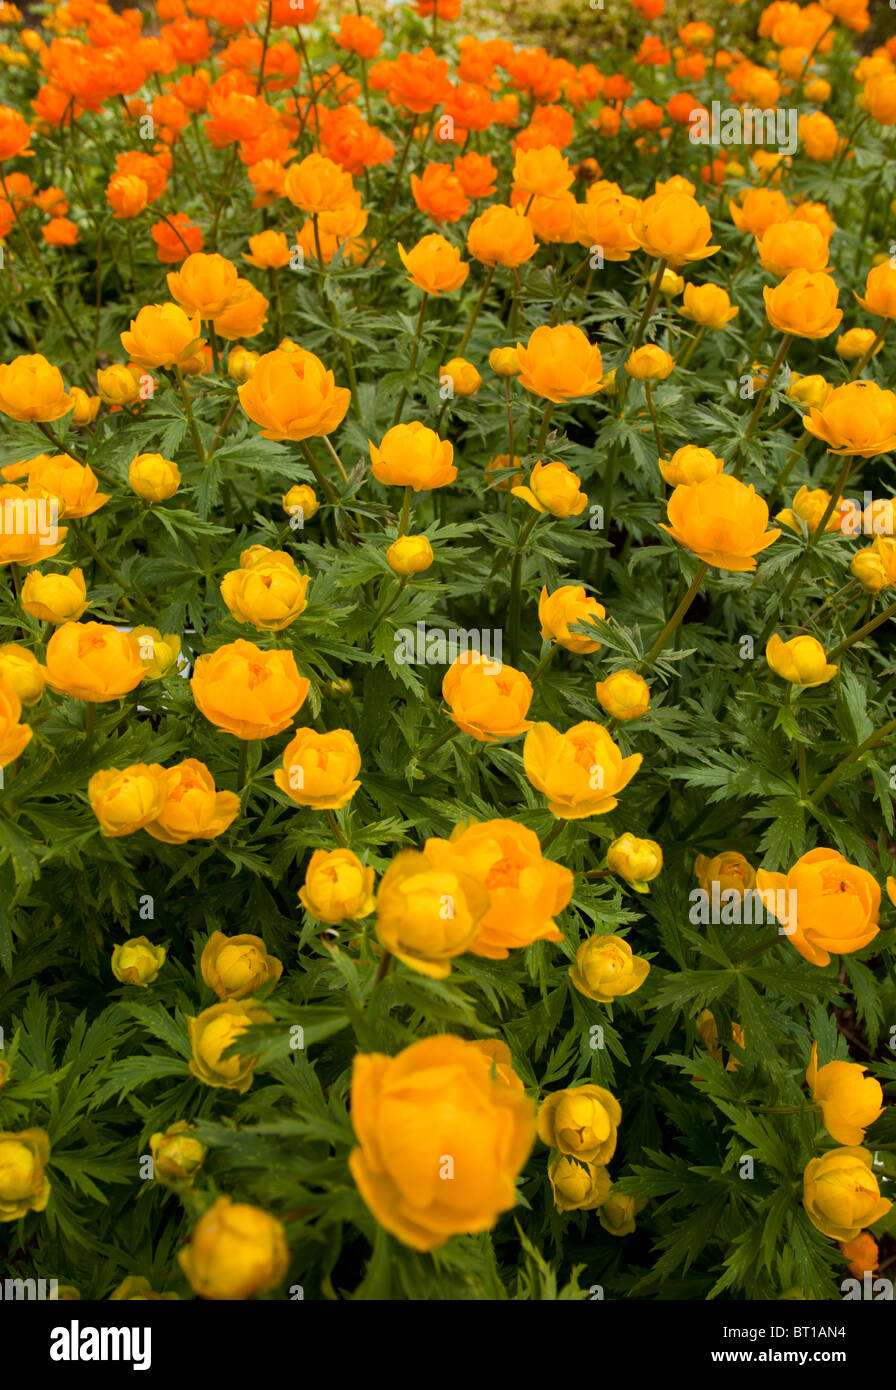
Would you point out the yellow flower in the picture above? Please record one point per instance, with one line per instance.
(856, 343)
(578, 1186)
(675, 227)
(606, 969)
(215, 1030)
(866, 565)
(434, 265)
(269, 593)
(553, 488)
(559, 363)
(730, 870)
(809, 390)
(235, 1250)
(116, 385)
(801, 660)
(809, 506)
(14, 736)
(804, 304)
(176, 1155)
(320, 770)
(86, 407)
(24, 1186)
(241, 363)
(32, 389)
(442, 1137)
(55, 598)
(857, 418)
(840, 1193)
(159, 654)
(580, 771)
(137, 961)
(413, 456)
(237, 966)
(617, 1213)
(637, 861)
(582, 1122)
(192, 808)
(690, 464)
(487, 699)
(301, 501)
(558, 611)
(462, 375)
(650, 363)
(153, 477)
(22, 672)
(708, 305)
(92, 661)
(409, 555)
(504, 361)
(721, 521)
(126, 800)
(162, 335)
(292, 395)
(426, 916)
(624, 695)
(337, 885)
(850, 1101)
(204, 285)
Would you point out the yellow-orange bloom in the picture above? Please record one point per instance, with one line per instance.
(850, 1101)
(320, 770)
(559, 363)
(836, 904)
(237, 966)
(567, 605)
(248, 692)
(804, 304)
(413, 456)
(434, 265)
(675, 227)
(708, 305)
(840, 1193)
(801, 660)
(720, 520)
(792, 245)
(580, 772)
(32, 389)
(162, 335)
(880, 291)
(14, 736)
(337, 885)
(212, 1032)
(446, 1101)
(690, 464)
(235, 1250)
(426, 915)
(623, 695)
(501, 235)
(55, 598)
(607, 969)
(525, 890)
(125, 800)
(581, 1121)
(204, 285)
(486, 698)
(292, 395)
(553, 488)
(93, 661)
(192, 808)
(857, 418)
(267, 591)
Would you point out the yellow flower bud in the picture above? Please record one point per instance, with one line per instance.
(581, 1121)
(809, 390)
(241, 363)
(462, 376)
(214, 1031)
(623, 695)
(576, 1186)
(337, 885)
(237, 966)
(176, 1155)
(504, 361)
(159, 654)
(409, 555)
(137, 962)
(637, 861)
(617, 1213)
(55, 598)
(21, 670)
(116, 385)
(23, 1185)
(86, 407)
(153, 477)
(650, 363)
(671, 284)
(866, 565)
(300, 503)
(235, 1250)
(855, 343)
(605, 968)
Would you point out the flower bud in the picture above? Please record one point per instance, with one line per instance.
(301, 501)
(176, 1155)
(86, 406)
(650, 363)
(337, 886)
(605, 968)
(237, 966)
(409, 555)
(637, 861)
(137, 962)
(241, 363)
(153, 477)
(21, 670)
(504, 361)
(866, 565)
(235, 1250)
(55, 598)
(116, 385)
(213, 1032)
(23, 1185)
(855, 343)
(801, 660)
(623, 695)
(578, 1187)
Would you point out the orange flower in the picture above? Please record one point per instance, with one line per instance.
(244, 315)
(268, 251)
(605, 220)
(566, 605)
(880, 291)
(487, 699)
(59, 231)
(434, 265)
(127, 195)
(804, 305)
(248, 692)
(792, 245)
(580, 772)
(317, 184)
(413, 456)
(419, 81)
(758, 209)
(439, 193)
(857, 418)
(477, 174)
(92, 661)
(526, 891)
(176, 237)
(675, 227)
(359, 34)
(836, 904)
(14, 133)
(320, 770)
(720, 520)
(192, 808)
(204, 285)
(162, 335)
(543, 171)
(501, 235)
(292, 395)
(32, 389)
(559, 364)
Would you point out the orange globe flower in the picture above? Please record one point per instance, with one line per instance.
(248, 692)
(836, 904)
(292, 395)
(720, 520)
(675, 227)
(486, 698)
(559, 363)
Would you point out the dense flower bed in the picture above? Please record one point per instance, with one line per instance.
(447, 692)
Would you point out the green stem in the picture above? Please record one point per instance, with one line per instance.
(763, 396)
(834, 776)
(475, 314)
(677, 616)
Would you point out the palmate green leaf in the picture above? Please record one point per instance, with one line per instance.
(126, 1073)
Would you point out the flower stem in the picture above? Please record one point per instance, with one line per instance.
(677, 616)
